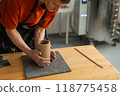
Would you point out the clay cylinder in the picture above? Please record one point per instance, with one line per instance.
(44, 48)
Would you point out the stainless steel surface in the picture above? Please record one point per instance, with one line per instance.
(103, 15)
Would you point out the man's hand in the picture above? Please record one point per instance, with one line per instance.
(52, 56)
(35, 55)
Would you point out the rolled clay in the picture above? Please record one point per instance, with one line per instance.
(44, 48)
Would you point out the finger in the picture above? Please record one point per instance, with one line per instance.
(46, 59)
(44, 64)
(38, 52)
(53, 55)
(41, 66)
(51, 60)
(43, 59)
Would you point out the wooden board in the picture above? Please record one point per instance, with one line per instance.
(82, 68)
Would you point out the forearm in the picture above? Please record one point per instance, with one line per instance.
(16, 38)
(39, 35)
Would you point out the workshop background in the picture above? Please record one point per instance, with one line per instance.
(101, 19)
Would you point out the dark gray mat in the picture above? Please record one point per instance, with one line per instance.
(32, 70)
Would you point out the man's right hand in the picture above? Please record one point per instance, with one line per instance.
(35, 55)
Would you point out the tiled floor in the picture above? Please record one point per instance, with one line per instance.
(111, 53)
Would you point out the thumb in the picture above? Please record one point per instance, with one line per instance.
(38, 52)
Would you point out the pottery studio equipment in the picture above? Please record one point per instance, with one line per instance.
(33, 70)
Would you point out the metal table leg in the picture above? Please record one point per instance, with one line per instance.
(60, 24)
(67, 29)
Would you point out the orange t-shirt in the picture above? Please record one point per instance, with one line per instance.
(16, 11)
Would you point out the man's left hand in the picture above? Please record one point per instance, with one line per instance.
(52, 56)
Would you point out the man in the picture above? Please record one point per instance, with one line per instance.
(18, 17)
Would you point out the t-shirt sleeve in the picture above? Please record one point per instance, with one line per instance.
(48, 19)
(10, 15)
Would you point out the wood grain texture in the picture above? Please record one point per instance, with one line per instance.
(82, 68)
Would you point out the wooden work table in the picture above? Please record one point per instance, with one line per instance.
(82, 68)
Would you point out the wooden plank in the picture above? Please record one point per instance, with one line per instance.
(82, 68)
